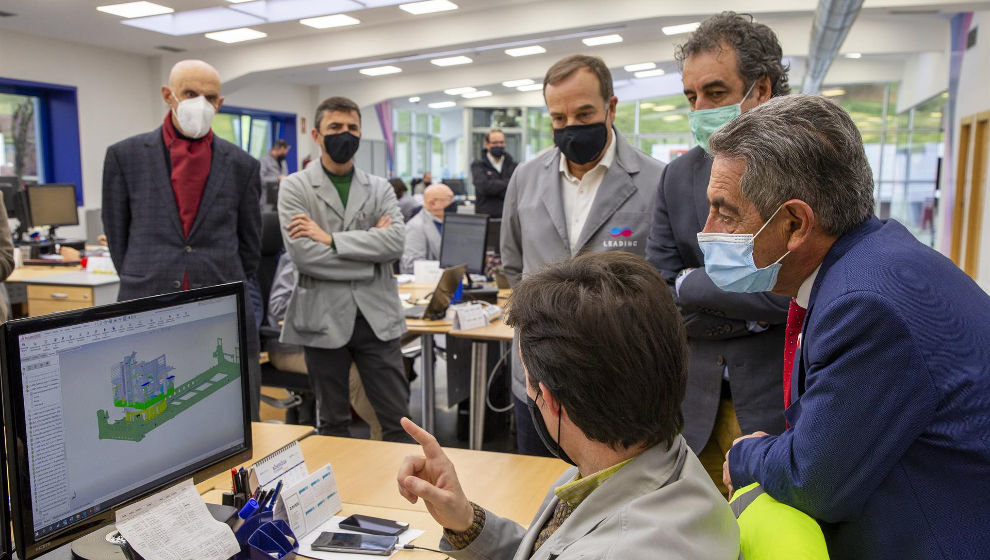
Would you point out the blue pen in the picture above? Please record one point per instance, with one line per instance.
(271, 501)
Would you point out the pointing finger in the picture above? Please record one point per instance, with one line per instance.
(431, 448)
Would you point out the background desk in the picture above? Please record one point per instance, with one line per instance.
(48, 289)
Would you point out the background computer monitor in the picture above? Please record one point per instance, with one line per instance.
(464, 241)
(494, 234)
(9, 186)
(52, 205)
(456, 185)
(108, 404)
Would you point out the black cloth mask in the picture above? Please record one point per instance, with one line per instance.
(497, 151)
(341, 147)
(280, 159)
(581, 143)
(541, 430)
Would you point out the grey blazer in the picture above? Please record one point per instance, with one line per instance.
(356, 273)
(716, 321)
(660, 505)
(141, 219)
(422, 241)
(534, 229)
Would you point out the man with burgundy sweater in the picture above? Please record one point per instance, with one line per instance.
(180, 206)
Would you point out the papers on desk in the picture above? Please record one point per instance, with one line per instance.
(474, 315)
(175, 525)
(403, 278)
(333, 525)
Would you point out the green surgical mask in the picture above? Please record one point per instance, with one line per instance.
(705, 122)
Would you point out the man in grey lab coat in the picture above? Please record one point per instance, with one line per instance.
(343, 230)
(592, 192)
(273, 170)
(605, 376)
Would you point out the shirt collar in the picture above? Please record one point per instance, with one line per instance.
(575, 491)
(804, 292)
(495, 162)
(605, 162)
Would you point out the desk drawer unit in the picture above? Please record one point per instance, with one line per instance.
(49, 298)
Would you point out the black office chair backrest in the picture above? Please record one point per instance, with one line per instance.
(271, 249)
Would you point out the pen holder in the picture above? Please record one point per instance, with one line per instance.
(262, 538)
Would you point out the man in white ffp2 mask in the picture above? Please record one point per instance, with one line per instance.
(180, 206)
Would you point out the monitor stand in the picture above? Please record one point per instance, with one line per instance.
(479, 292)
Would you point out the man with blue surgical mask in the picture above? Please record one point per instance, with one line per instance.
(729, 65)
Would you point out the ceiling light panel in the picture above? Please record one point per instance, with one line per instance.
(274, 11)
(236, 35)
(649, 73)
(640, 67)
(854, 55)
(525, 51)
(602, 40)
(428, 7)
(678, 29)
(380, 70)
(240, 1)
(517, 83)
(135, 9)
(442, 105)
(459, 90)
(414, 99)
(326, 22)
(531, 87)
(477, 94)
(451, 61)
(195, 21)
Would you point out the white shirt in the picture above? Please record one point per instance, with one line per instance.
(579, 194)
(804, 291)
(496, 164)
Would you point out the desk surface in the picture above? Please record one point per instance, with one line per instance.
(66, 275)
(366, 475)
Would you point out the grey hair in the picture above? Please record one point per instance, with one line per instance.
(801, 147)
(758, 51)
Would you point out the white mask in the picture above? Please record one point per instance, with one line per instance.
(195, 116)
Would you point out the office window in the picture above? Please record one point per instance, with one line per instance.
(20, 142)
(255, 131)
(539, 132)
(419, 147)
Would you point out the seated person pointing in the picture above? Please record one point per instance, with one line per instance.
(605, 358)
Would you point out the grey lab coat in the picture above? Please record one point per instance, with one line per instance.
(660, 505)
(335, 282)
(534, 228)
(422, 241)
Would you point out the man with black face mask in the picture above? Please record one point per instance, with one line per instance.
(592, 192)
(343, 231)
(273, 169)
(491, 174)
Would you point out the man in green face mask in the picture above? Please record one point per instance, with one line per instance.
(729, 65)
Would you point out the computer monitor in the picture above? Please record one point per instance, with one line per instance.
(52, 205)
(464, 241)
(456, 185)
(494, 235)
(9, 186)
(107, 404)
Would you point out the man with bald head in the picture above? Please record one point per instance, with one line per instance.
(423, 230)
(180, 206)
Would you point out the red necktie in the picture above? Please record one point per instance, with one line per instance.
(792, 334)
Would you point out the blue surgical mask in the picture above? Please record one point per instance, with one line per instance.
(704, 122)
(729, 261)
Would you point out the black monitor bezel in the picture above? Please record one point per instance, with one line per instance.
(13, 414)
(480, 269)
(28, 188)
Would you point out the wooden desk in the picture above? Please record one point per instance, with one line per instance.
(58, 288)
(265, 438)
(366, 475)
(425, 329)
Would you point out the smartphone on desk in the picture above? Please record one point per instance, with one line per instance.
(373, 525)
(352, 542)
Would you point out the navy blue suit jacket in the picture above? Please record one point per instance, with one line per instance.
(889, 444)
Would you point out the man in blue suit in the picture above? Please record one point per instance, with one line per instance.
(888, 443)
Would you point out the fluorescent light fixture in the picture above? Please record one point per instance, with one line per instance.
(380, 70)
(427, 7)
(678, 29)
(460, 90)
(530, 87)
(854, 55)
(664, 108)
(672, 118)
(833, 92)
(649, 73)
(442, 104)
(239, 1)
(517, 83)
(602, 40)
(451, 61)
(236, 35)
(414, 99)
(194, 22)
(640, 67)
(476, 94)
(525, 51)
(326, 22)
(135, 9)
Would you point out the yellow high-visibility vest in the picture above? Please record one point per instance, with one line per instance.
(770, 530)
